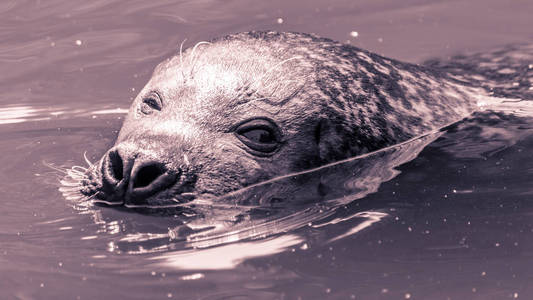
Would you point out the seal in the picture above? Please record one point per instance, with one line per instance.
(248, 107)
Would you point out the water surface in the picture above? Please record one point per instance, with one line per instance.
(445, 216)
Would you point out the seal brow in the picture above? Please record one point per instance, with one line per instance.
(275, 67)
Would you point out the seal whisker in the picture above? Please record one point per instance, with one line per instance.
(196, 46)
(72, 179)
(64, 171)
(192, 60)
(76, 176)
(70, 184)
(181, 51)
(83, 197)
(87, 160)
(78, 170)
(181, 57)
(69, 188)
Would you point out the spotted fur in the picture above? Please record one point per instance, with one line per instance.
(330, 101)
(364, 101)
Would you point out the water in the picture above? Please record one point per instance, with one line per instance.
(443, 216)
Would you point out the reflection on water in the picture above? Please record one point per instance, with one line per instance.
(247, 229)
(370, 217)
(19, 114)
(226, 256)
(356, 195)
(263, 219)
(282, 204)
(400, 205)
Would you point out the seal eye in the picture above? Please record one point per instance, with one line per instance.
(150, 103)
(261, 136)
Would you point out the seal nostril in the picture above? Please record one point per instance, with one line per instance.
(117, 166)
(148, 174)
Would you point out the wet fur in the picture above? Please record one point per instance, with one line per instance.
(331, 101)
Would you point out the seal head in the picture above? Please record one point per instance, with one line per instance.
(248, 107)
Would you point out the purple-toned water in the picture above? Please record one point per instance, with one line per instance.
(454, 223)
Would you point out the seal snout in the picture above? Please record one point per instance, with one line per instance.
(131, 178)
